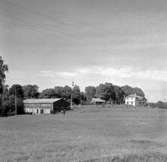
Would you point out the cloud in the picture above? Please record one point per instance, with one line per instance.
(125, 72)
(66, 74)
(47, 73)
(52, 74)
(159, 75)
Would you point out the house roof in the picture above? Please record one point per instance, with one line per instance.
(97, 100)
(48, 100)
(136, 96)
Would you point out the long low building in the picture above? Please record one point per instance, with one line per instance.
(45, 106)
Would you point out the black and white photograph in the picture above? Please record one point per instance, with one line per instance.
(83, 81)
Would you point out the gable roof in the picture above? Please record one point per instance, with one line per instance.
(135, 96)
(48, 100)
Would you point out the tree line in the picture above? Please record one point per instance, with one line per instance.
(159, 104)
(13, 96)
(112, 94)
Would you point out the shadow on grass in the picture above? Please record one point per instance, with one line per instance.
(152, 157)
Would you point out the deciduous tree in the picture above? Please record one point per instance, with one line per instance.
(90, 92)
(16, 90)
(30, 91)
(3, 70)
(105, 91)
(76, 95)
(48, 93)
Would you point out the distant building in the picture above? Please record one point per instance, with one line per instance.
(97, 101)
(135, 100)
(45, 106)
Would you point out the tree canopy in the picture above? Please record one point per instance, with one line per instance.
(48, 93)
(16, 90)
(76, 94)
(129, 90)
(3, 70)
(90, 92)
(30, 91)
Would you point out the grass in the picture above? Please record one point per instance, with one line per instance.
(88, 134)
(150, 157)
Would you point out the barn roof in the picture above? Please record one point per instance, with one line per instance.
(48, 100)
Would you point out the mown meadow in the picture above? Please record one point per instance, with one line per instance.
(86, 134)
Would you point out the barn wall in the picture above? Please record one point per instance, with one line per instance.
(47, 111)
(38, 108)
(46, 108)
(60, 105)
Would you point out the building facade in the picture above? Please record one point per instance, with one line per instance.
(135, 100)
(45, 106)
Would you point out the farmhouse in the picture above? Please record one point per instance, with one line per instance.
(97, 101)
(135, 100)
(45, 106)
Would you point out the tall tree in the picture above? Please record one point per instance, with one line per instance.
(83, 98)
(138, 91)
(130, 90)
(16, 98)
(119, 95)
(90, 92)
(59, 91)
(6, 92)
(16, 90)
(67, 92)
(106, 92)
(6, 105)
(100, 91)
(30, 91)
(76, 95)
(48, 93)
(3, 70)
(127, 90)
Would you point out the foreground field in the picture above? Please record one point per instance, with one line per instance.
(88, 134)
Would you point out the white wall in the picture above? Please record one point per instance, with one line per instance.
(46, 111)
(130, 101)
(37, 110)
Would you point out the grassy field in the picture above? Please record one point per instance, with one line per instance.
(87, 134)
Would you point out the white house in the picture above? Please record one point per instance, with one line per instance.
(135, 100)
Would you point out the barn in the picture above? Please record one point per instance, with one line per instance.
(45, 106)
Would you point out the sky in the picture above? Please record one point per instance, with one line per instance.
(55, 42)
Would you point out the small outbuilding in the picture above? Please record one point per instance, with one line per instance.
(45, 106)
(97, 101)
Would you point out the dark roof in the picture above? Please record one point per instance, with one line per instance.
(48, 100)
